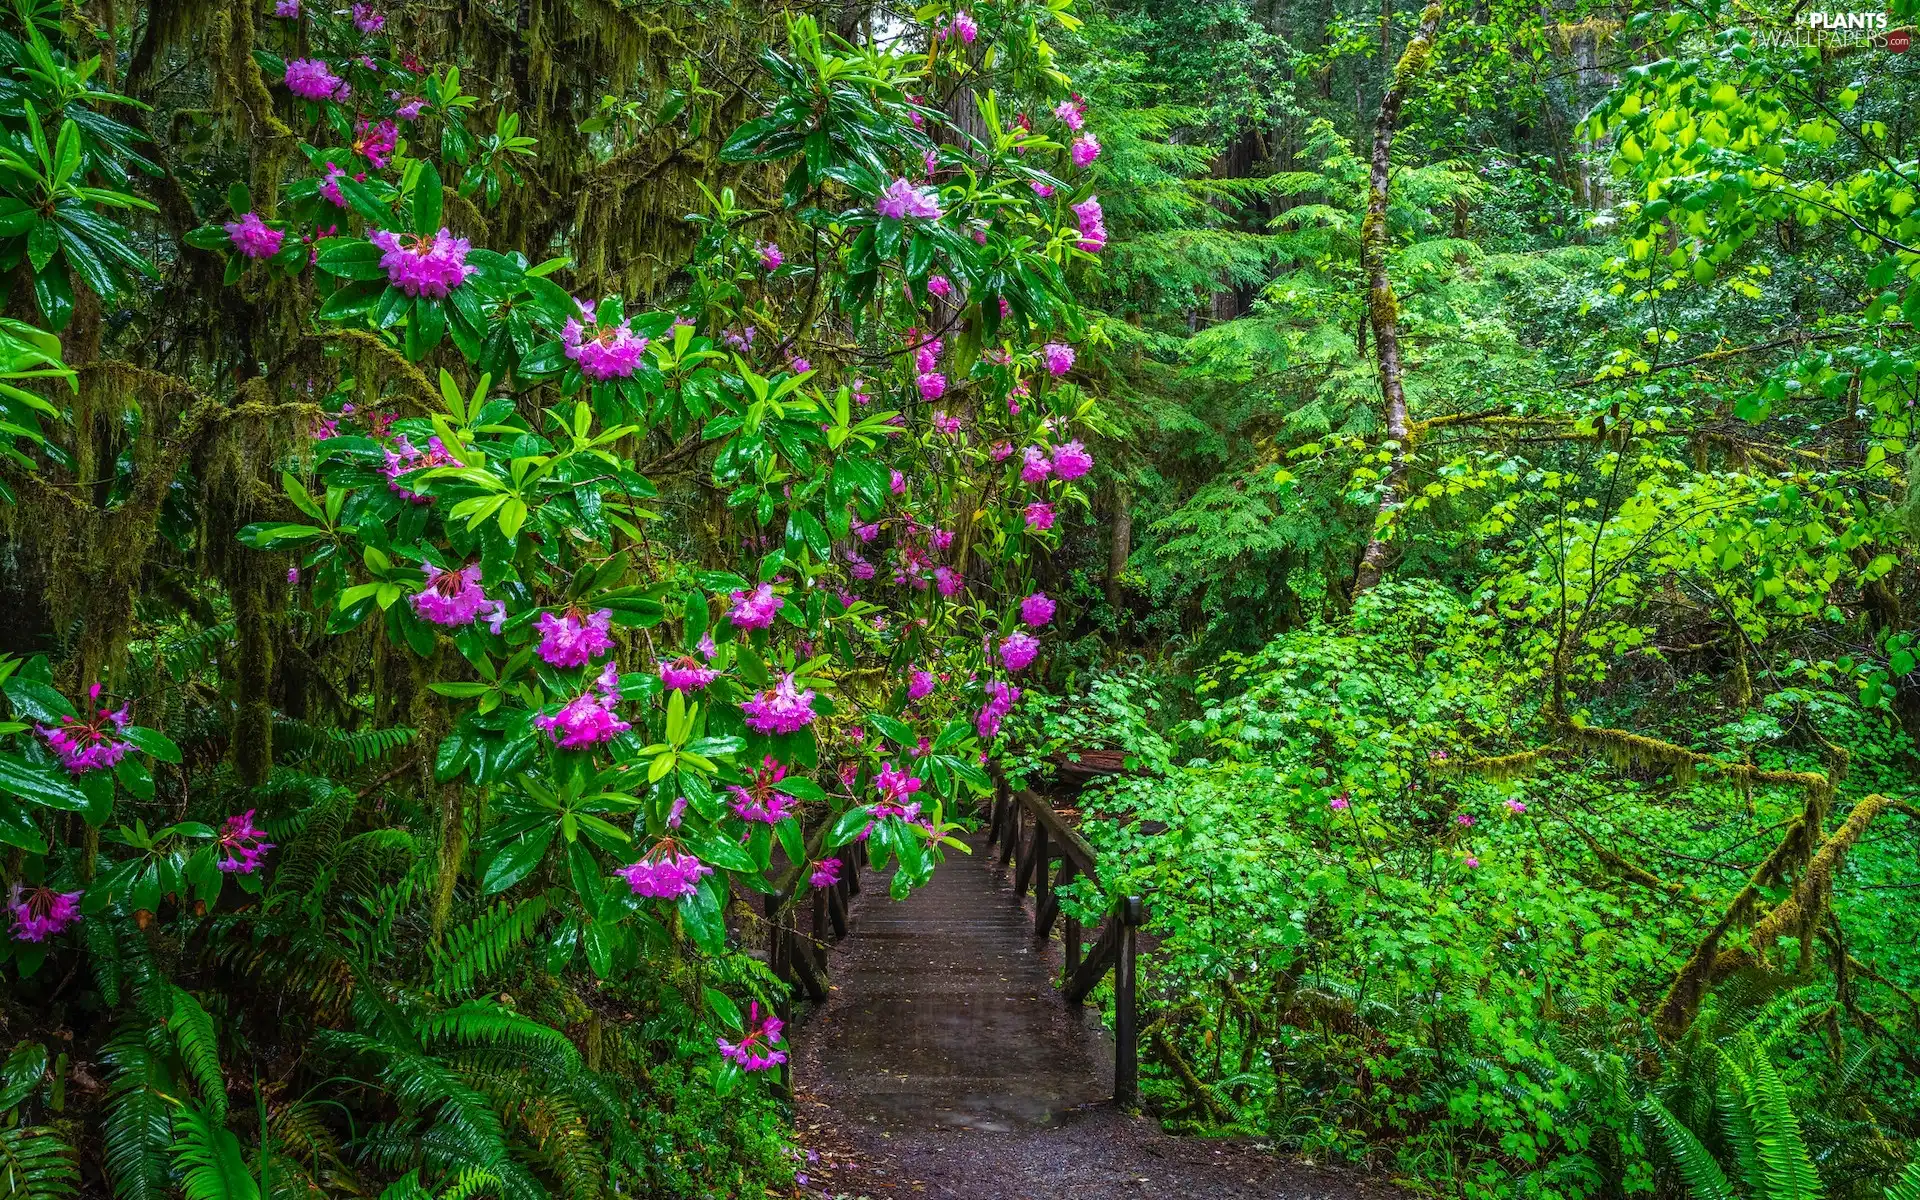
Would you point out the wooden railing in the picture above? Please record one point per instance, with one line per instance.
(1025, 831)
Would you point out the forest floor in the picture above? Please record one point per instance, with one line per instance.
(945, 1065)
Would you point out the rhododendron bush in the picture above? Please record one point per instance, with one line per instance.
(620, 605)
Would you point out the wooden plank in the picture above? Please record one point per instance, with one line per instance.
(1099, 958)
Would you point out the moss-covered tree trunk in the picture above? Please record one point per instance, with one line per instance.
(1382, 309)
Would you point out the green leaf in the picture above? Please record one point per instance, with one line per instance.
(426, 200)
(48, 787)
(37, 701)
(516, 860)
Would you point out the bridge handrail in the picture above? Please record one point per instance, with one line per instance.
(1113, 947)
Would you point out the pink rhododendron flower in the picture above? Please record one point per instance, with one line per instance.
(1071, 112)
(429, 265)
(1042, 190)
(376, 142)
(1036, 610)
(1017, 651)
(588, 719)
(666, 873)
(1057, 357)
(825, 874)
(760, 801)
(940, 285)
(403, 458)
(410, 108)
(742, 340)
(1464, 819)
(571, 639)
(603, 351)
(242, 846)
(941, 539)
(1039, 516)
(898, 483)
(1001, 451)
(963, 24)
(1516, 806)
(83, 746)
(455, 598)
(686, 674)
(859, 567)
(1071, 461)
(309, 79)
(1473, 864)
(920, 686)
(1084, 150)
(293, 575)
(330, 186)
(942, 423)
(755, 609)
(1341, 801)
(367, 19)
(287, 10)
(799, 366)
(1034, 466)
(40, 912)
(770, 256)
(949, 581)
(902, 200)
(1001, 697)
(755, 1050)
(785, 709)
(1092, 222)
(933, 385)
(251, 237)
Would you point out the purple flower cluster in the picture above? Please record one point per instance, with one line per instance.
(665, 874)
(687, 673)
(782, 710)
(588, 719)
(84, 746)
(1039, 516)
(243, 846)
(1072, 113)
(1058, 358)
(455, 598)
(402, 458)
(368, 19)
(310, 79)
(1036, 610)
(430, 265)
(755, 609)
(1092, 222)
(330, 186)
(376, 142)
(770, 256)
(1001, 697)
(760, 802)
(571, 639)
(1084, 150)
(1017, 650)
(604, 352)
(251, 237)
(825, 874)
(40, 912)
(755, 1050)
(920, 685)
(901, 200)
(1071, 461)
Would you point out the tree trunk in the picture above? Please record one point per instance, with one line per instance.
(1122, 545)
(1381, 305)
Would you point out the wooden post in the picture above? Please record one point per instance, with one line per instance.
(1042, 865)
(777, 962)
(1070, 934)
(1126, 1028)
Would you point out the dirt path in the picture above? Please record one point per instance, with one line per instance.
(946, 1065)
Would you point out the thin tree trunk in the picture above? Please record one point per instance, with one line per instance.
(1122, 546)
(1381, 305)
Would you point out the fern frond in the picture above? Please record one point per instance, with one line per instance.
(193, 1032)
(1907, 1187)
(36, 1165)
(482, 946)
(211, 1163)
(1703, 1175)
(1784, 1162)
(139, 1122)
(489, 1023)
